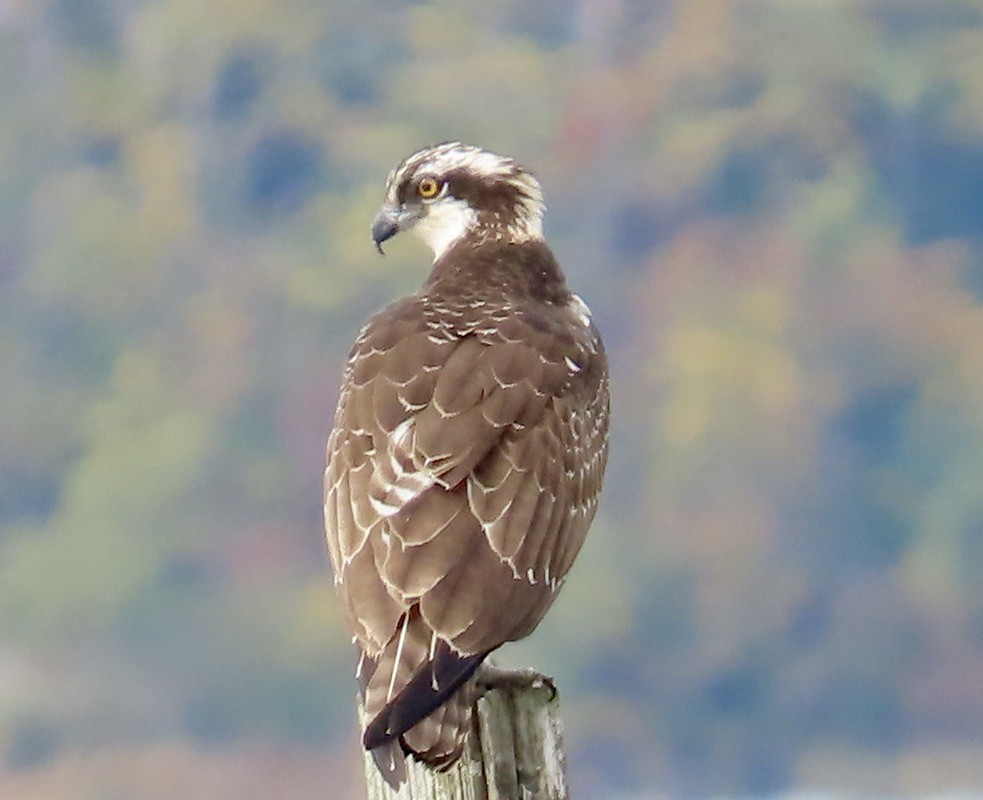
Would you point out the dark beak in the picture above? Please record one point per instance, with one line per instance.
(385, 225)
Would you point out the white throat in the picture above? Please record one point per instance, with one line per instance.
(445, 223)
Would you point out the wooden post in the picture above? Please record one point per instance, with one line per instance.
(515, 752)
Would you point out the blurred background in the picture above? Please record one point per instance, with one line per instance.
(775, 209)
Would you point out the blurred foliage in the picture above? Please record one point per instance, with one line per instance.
(776, 211)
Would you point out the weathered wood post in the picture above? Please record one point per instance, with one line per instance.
(515, 753)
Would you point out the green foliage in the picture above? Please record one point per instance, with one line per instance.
(773, 209)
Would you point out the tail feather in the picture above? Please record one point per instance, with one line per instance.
(391, 762)
(439, 739)
(418, 697)
(432, 685)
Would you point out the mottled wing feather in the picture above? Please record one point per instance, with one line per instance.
(463, 474)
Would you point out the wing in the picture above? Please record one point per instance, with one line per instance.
(463, 473)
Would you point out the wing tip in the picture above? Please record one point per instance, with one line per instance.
(377, 733)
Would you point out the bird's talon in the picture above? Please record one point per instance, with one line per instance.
(492, 677)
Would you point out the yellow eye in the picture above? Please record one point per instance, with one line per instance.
(428, 188)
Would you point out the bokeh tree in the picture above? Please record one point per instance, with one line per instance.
(773, 209)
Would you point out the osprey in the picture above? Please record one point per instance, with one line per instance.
(468, 450)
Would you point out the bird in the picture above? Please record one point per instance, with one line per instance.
(468, 450)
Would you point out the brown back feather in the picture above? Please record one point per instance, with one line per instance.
(464, 470)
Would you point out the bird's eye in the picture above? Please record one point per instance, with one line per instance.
(428, 188)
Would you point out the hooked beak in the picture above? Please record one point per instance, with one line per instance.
(390, 220)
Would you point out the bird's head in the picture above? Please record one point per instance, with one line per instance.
(452, 191)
